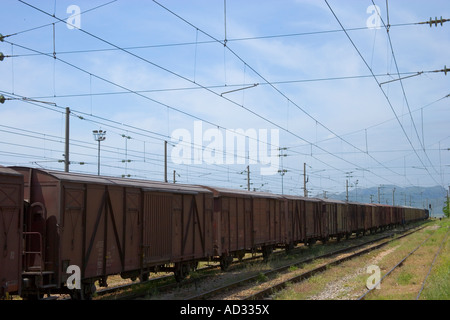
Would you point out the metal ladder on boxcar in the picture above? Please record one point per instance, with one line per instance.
(36, 279)
(35, 276)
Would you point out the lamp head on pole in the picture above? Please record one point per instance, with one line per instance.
(99, 135)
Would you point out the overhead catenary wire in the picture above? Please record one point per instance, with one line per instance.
(111, 150)
(182, 77)
(275, 88)
(403, 89)
(49, 24)
(131, 91)
(384, 93)
(251, 111)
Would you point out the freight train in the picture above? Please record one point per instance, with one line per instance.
(62, 232)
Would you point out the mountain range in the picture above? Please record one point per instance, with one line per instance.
(420, 197)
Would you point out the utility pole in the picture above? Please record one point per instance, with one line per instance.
(248, 178)
(165, 161)
(66, 149)
(348, 174)
(305, 191)
(346, 190)
(126, 154)
(283, 171)
(380, 195)
(393, 199)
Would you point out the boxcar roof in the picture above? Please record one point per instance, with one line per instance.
(146, 185)
(218, 191)
(292, 197)
(361, 203)
(334, 201)
(9, 171)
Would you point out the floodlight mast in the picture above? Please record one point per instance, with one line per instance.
(99, 135)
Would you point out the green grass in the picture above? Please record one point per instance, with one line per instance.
(404, 278)
(437, 286)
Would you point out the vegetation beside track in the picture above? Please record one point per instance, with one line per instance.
(348, 280)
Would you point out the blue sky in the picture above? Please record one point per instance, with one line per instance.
(145, 69)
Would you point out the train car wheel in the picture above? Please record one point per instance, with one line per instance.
(85, 293)
(289, 247)
(181, 271)
(267, 251)
(225, 261)
(144, 276)
(240, 255)
(194, 266)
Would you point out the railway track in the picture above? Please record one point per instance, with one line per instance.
(283, 283)
(403, 260)
(215, 293)
(153, 283)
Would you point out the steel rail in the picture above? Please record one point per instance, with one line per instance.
(395, 267)
(280, 286)
(432, 264)
(264, 293)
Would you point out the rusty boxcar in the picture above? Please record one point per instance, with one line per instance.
(246, 221)
(108, 226)
(307, 218)
(11, 213)
(52, 221)
(176, 226)
(296, 220)
(338, 221)
(414, 214)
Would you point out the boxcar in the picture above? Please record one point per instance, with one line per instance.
(414, 214)
(308, 218)
(338, 222)
(355, 218)
(246, 222)
(376, 217)
(108, 226)
(176, 227)
(369, 217)
(11, 213)
(296, 220)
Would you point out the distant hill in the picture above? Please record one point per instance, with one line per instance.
(410, 196)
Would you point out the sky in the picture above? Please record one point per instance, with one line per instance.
(326, 92)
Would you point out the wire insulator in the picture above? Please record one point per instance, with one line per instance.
(436, 21)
